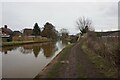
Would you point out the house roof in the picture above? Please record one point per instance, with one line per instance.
(17, 33)
(7, 31)
(117, 33)
(109, 33)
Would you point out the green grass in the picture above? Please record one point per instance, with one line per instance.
(54, 72)
(103, 66)
(22, 42)
(56, 68)
(65, 52)
(81, 73)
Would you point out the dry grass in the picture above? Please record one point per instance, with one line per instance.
(106, 47)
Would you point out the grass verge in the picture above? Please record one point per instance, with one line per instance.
(22, 42)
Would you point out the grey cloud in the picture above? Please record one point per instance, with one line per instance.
(112, 10)
(62, 15)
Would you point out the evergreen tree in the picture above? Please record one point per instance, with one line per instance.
(36, 30)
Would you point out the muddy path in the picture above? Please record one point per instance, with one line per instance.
(80, 66)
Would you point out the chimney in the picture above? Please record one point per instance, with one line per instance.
(5, 26)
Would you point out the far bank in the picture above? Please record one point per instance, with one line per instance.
(13, 43)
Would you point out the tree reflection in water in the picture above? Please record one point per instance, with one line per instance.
(36, 50)
(64, 42)
(48, 49)
(6, 49)
(26, 49)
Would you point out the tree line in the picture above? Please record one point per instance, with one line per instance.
(48, 31)
(83, 24)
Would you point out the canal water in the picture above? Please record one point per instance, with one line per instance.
(27, 61)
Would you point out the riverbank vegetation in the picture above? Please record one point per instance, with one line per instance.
(102, 51)
(13, 43)
(103, 54)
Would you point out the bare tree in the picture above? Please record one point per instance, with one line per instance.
(64, 32)
(84, 25)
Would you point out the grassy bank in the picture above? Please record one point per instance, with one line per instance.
(13, 43)
(103, 65)
(53, 69)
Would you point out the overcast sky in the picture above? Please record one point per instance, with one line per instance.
(20, 15)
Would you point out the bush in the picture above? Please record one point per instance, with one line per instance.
(107, 47)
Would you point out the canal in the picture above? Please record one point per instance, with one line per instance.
(27, 61)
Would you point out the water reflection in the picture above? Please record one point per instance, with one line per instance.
(47, 48)
(6, 49)
(26, 61)
(36, 50)
(64, 42)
